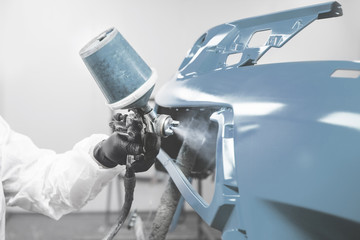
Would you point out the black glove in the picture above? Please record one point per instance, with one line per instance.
(113, 151)
(144, 161)
(126, 140)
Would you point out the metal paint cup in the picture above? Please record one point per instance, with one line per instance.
(122, 75)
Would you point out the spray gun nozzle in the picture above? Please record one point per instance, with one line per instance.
(164, 125)
(169, 128)
(175, 123)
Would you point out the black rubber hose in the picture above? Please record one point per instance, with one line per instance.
(129, 183)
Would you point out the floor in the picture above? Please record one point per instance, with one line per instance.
(89, 226)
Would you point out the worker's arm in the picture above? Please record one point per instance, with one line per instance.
(53, 184)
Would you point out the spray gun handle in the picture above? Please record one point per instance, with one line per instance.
(129, 160)
(129, 126)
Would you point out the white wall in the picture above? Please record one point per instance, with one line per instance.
(47, 93)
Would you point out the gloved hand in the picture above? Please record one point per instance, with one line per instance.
(126, 140)
(151, 146)
(115, 149)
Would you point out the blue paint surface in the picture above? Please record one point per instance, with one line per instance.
(287, 151)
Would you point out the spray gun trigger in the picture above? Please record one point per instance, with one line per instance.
(123, 134)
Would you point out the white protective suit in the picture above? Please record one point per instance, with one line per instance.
(42, 181)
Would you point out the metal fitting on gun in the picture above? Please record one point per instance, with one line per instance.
(164, 125)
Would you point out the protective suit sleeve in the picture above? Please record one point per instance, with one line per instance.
(42, 181)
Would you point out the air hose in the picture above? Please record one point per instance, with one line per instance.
(185, 161)
(129, 183)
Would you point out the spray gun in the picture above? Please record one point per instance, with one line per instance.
(125, 79)
(127, 83)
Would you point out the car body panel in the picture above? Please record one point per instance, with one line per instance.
(287, 154)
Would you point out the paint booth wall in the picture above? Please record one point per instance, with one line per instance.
(47, 93)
